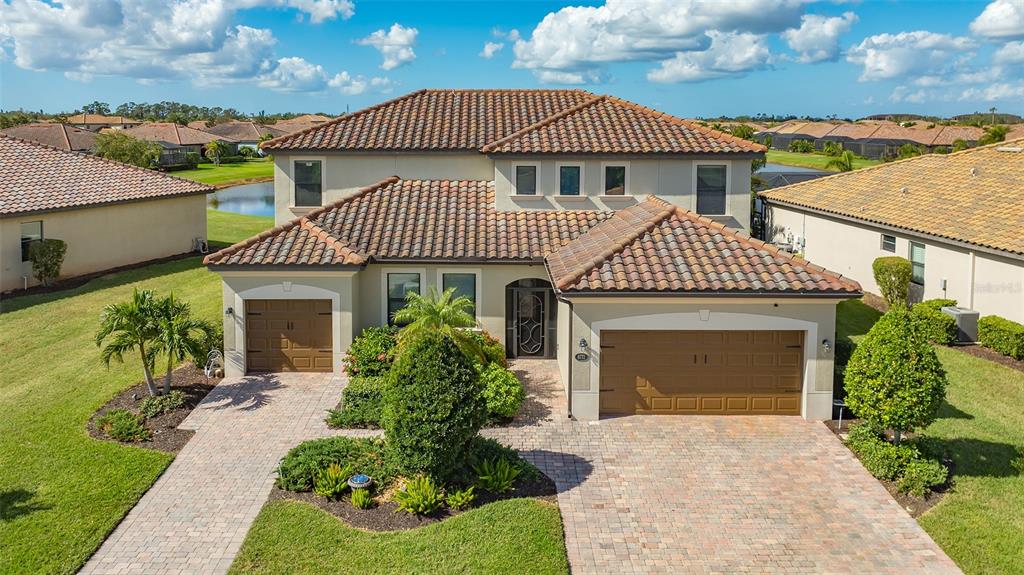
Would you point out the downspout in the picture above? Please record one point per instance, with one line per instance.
(569, 358)
(970, 285)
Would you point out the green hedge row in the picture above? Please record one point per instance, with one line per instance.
(1002, 335)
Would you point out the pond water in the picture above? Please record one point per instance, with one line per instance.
(248, 199)
(784, 168)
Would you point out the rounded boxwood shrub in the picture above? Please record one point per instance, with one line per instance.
(934, 325)
(433, 407)
(894, 379)
(371, 354)
(300, 467)
(503, 392)
(892, 274)
(920, 476)
(361, 404)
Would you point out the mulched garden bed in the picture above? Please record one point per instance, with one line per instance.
(166, 435)
(913, 505)
(384, 516)
(983, 352)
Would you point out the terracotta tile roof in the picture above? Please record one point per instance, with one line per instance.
(657, 247)
(413, 220)
(853, 131)
(609, 125)
(100, 119)
(174, 134)
(39, 178)
(244, 131)
(61, 136)
(951, 134)
(974, 196)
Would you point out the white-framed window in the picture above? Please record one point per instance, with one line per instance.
(888, 243)
(466, 282)
(308, 177)
(569, 178)
(711, 184)
(917, 263)
(614, 178)
(396, 283)
(526, 178)
(31, 232)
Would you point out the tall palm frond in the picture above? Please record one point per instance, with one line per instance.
(179, 335)
(133, 327)
(843, 162)
(445, 314)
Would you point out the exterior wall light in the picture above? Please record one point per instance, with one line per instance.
(826, 345)
(583, 344)
(229, 311)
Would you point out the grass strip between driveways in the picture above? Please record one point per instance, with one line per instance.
(228, 173)
(979, 523)
(813, 161)
(61, 491)
(511, 536)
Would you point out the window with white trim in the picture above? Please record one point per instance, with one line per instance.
(399, 285)
(615, 179)
(888, 243)
(712, 189)
(309, 183)
(917, 263)
(527, 176)
(464, 284)
(570, 179)
(31, 232)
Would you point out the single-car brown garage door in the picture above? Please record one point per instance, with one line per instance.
(288, 335)
(710, 372)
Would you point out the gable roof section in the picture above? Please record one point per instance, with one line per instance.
(975, 196)
(40, 178)
(55, 135)
(174, 134)
(243, 131)
(657, 247)
(414, 220)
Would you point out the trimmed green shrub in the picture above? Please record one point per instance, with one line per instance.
(421, 496)
(1002, 335)
(920, 476)
(361, 404)
(801, 146)
(892, 274)
(493, 350)
(894, 379)
(843, 351)
(502, 391)
(938, 303)
(209, 341)
(433, 407)
(484, 448)
(332, 481)
(371, 354)
(47, 256)
(496, 475)
(161, 404)
(361, 499)
(935, 326)
(298, 469)
(123, 425)
(461, 498)
(885, 460)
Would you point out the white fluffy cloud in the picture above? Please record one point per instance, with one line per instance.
(730, 54)
(1011, 53)
(1000, 20)
(355, 85)
(817, 38)
(295, 75)
(490, 49)
(394, 45)
(999, 91)
(909, 54)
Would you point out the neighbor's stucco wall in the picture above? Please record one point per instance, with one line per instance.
(101, 238)
(990, 284)
(346, 173)
(672, 179)
(815, 317)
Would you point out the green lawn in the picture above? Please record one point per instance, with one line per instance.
(61, 491)
(228, 173)
(512, 536)
(816, 161)
(979, 524)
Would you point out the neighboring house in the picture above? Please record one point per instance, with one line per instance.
(191, 139)
(60, 136)
(110, 214)
(96, 122)
(299, 123)
(247, 134)
(959, 218)
(569, 220)
(870, 139)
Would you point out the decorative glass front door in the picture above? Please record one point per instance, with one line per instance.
(529, 321)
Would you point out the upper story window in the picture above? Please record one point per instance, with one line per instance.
(889, 243)
(400, 284)
(309, 183)
(615, 179)
(464, 284)
(31, 232)
(570, 179)
(712, 189)
(917, 263)
(526, 179)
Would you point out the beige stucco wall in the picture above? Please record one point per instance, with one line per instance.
(816, 317)
(988, 283)
(346, 173)
(672, 179)
(101, 238)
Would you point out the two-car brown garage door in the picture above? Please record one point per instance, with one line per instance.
(288, 335)
(701, 372)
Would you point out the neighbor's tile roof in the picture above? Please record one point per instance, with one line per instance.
(53, 134)
(974, 196)
(38, 178)
(658, 247)
(244, 131)
(100, 119)
(534, 121)
(608, 125)
(407, 220)
(174, 134)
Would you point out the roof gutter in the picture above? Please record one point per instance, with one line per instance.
(701, 294)
(283, 267)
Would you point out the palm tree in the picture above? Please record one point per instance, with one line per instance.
(179, 335)
(842, 162)
(993, 134)
(444, 314)
(133, 327)
(213, 151)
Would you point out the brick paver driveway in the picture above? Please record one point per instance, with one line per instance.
(713, 494)
(193, 520)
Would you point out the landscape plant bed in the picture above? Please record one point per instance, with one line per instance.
(385, 516)
(166, 436)
(983, 352)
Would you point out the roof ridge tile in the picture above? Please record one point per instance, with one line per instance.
(752, 146)
(544, 122)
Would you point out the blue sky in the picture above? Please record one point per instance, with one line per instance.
(686, 57)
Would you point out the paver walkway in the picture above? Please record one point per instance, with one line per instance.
(194, 519)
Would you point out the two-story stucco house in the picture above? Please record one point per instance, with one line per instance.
(583, 227)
